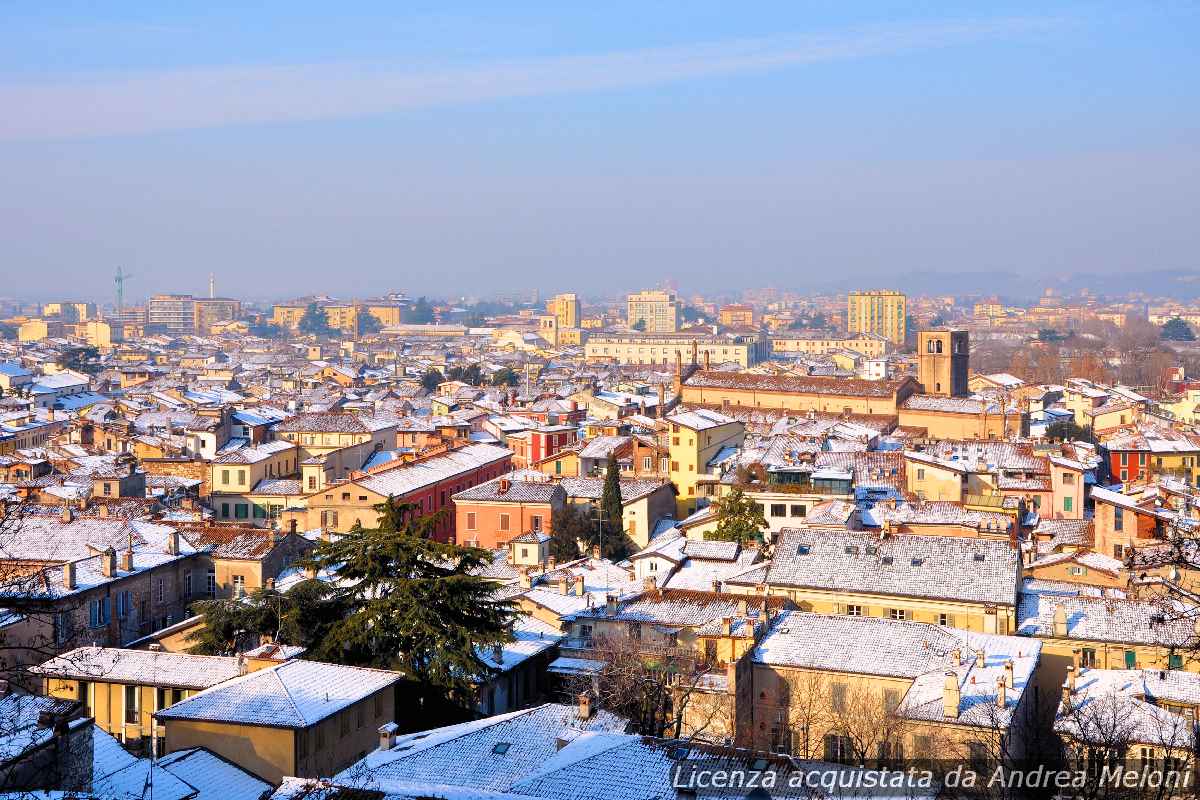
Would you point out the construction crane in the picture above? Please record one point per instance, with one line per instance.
(120, 281)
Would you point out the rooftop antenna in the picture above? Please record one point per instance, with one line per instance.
(120, 280)
(212, 285)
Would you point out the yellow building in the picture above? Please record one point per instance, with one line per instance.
(97, 333)
(35, 330)
(696, 437)
(236, 474)
(879, 311)
(566, 309)
(287, 316)
(737, 316)
(746, 350)
(869, 344)
(653, 311)
(799, 393)
(70, 312)
(961, 418)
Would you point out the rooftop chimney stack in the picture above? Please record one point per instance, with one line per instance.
(173, 543)
(1071, 679)
(69, 575)
(1008, 673)
(387, 736)
(610, 605)
(127, 561)
(108, 562)
(727, 626)
(596, 552)
(951, 695)
(1001, 693)
(67, 515)
(585, 705)
(1060, 622)
(980, 659)
(579, 586)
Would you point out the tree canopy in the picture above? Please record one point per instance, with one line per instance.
(506, 376)
(368, 323)
(432, 379)
(300, 617)
(420, 312)
(611, 508)
(739, 519)
(314, 322)
(411, 603)
(1177, 330)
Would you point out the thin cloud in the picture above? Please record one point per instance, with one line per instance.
(139, 103)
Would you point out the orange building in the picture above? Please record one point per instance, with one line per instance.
(492, 514)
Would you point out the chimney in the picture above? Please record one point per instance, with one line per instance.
(564, 585)
(69, 575)
(387, 736)
(1001, 693)
(67, 515)
(503, 487)
(173, 543)
(662, 401)
(292, 529)
(596, 552)
(650, 584)
(727, 626)
(1071, 679)
(526, 579)
(951, 695)
(610, 605)
(155, 648)
(743, 608)
(102, 510)
(980, 659)
(108, 562)
(955, 657)
(579, 586)
(551, 563)
(1060, 622)
(716, 586)
(585, 705)
(127, 561)
(1008, 673)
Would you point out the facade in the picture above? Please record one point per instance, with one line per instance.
(881, 312)
(870, 345)
(943, 362)
(212, 312)
(492, 514)
(696, 437)
(657, 311)
(798, 393)
(174, 313)
(745, 350)
(737, 316)
(565, 308)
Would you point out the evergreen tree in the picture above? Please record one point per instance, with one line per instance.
(368, 323)
(611, 507)
(413, 604)
(431, 379)
(1178, 330)
(739, 519)
(420, 312)
(298, 617)
(571, 524)
(505, 376)
(314, 322)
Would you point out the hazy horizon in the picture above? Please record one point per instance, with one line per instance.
(489, 148)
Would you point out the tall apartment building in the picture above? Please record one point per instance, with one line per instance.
(176, 313)
(657, 310)
(880, 311)
(209, 311)
(566, 309)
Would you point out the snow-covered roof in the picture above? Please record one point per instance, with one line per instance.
(140, 667)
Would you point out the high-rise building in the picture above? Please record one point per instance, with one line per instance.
(653, 311)
(566, 309)
(943, 362)
(879, 311)
(212, 310)
(174, 313)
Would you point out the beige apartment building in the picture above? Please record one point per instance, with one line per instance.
(658, 311)
(880, 311)
(869, 344)
(565, 308)
(745, 350)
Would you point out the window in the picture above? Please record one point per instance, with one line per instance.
(160, 590)
(131, 705)
(920, 473)
(1087, 658)
(378, 706)
(675, 466)
(62, 626)
(98, 613)
(345, 496)
(1068, 479)
(225, 510)
(312, 482)
(1119, 552)
(778, 509)
(259, 512)
(107, 489)
(504, 522)
(647, 463)
(211, 586)
(344, 723)
(978, 756)
(854, 611)
(124, 604)
(945, 620)
(1175, 661)
(241, 511)
(799, 510)
(225, 476)
(320, 737)
(1118, 519)
(1068, 504)
(1130, 659)
(187, 584)
(837, 697)
(535, 523)
(891, 699)
(897, 613)
(838, 749)
(663, 465)
(1076, 570)
(239, 585)
(361, 715)
(241, 477)
(470, 520)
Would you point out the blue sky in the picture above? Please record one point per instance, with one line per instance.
(459, 149)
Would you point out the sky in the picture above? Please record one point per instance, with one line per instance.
(467, 149)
